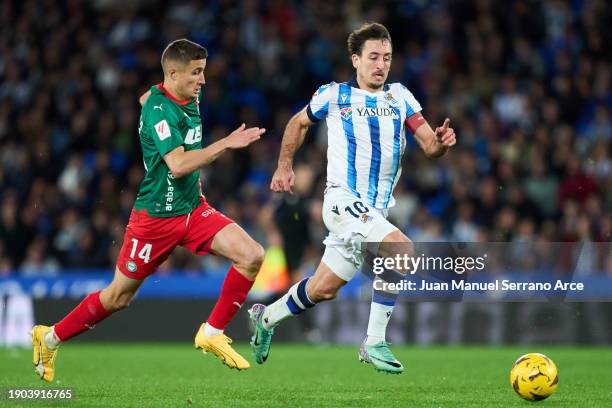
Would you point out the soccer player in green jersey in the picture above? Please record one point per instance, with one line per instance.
(170, 210)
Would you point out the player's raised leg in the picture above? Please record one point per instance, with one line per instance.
(375, 349)
(147, 243)
(323, 285)
(96, 307)
(247, 256)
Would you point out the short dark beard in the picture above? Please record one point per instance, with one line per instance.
(369, 84)
(376, 87)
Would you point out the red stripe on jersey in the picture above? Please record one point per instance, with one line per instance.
(415, 121)
(160, 86)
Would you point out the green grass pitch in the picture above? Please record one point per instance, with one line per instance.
(176, 375)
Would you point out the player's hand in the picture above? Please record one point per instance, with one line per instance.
(282, 180)
(243, 137)
(445, 135)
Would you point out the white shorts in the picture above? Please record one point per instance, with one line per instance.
(352, 223)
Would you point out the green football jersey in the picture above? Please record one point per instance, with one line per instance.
(165, 124)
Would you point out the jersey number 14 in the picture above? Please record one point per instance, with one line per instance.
(145, 252)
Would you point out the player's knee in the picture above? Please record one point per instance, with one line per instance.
(394, 244)
(258, 257)
(253, 259)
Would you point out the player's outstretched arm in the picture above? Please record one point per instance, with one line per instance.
(294, 135)
(182, 163)
(435, 143)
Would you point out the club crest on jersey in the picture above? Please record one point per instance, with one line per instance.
(390, 98)
(346, 113)
(365, 218)
(131, 266)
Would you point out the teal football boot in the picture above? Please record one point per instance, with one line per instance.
(260, 341)
(381, 357)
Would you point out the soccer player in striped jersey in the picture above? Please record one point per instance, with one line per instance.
(367, 121)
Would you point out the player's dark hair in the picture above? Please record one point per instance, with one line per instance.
(183, 51)
(368, 31)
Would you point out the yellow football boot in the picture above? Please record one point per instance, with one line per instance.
(219, 345)
(44, 357)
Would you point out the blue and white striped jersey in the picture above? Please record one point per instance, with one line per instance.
(366, 137)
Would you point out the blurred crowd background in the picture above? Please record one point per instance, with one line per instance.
(527, 85)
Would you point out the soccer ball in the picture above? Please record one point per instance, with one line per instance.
(534, 377)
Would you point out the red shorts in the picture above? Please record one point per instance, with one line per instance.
(149, 241)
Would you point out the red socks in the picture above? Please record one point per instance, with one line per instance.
(83, 317)
(90, 311)
(234, 292)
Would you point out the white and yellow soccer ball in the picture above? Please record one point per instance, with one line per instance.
(534, 377)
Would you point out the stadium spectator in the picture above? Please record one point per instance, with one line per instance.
(529, 92)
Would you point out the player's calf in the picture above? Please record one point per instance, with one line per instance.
(46, 340)
(296, 301)
(96, 307)
(210, 336)
(300, 297)
(82, 318)
(322, 290)
(115, 301)
(324, 285)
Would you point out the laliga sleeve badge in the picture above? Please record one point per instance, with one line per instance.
(131, 266)
(162, 129)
